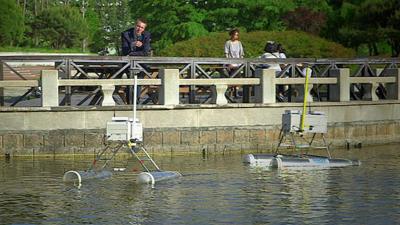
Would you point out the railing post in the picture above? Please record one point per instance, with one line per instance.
(68, 90)
(108, 90)
(192, 88)
(129, 92)
(49, 83)
(341, 90)
(396, 90)
(169, 91)
(266, 91)
(218, 94)
(393, 89)
(344, 83)
(300, 93)
(246, 88)
(1, 89)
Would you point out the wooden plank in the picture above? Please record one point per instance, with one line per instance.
(227, 81)
(301, 80)
(369, 80)
(99, 82)
(19, 83)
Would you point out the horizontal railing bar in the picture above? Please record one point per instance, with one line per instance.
(367, 80)
(19, 83)
(227, 81)
(330, 80)
(99, 82)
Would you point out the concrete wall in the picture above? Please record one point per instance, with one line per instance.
(189, 128)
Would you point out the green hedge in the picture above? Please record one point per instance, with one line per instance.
(42, 50)
(297, 45)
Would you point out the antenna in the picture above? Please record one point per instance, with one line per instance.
(303, 115)
(134, 97)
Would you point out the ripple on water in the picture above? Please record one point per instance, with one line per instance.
(216, 190)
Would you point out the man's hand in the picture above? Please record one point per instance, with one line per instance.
(138, 44)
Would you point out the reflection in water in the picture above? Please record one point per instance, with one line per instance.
(214, 190)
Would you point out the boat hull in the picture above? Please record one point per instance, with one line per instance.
(291, 161)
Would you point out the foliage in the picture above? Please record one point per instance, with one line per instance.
(251, 14)
(297, 44)
(96, 43)
(359, 24)
(175, 20)
(11, 22)
(370, 22)
(306, 20)
(170, 20)
(115, 17)
(60, 27)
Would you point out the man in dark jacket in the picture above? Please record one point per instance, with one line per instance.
(136, 41)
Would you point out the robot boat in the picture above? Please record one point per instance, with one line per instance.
(126, 133)
(296, 127)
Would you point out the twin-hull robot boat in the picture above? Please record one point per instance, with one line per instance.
(298, 132)
(126, 133)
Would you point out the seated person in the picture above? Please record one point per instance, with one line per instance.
(271, 51)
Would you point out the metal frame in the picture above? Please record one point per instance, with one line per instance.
(107, 67)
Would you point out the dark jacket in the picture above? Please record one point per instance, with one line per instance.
(128, 38)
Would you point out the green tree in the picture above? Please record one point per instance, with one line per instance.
(170, 20)
(95, 38)
(115, 17)
(305, 19)
(249, 14)
(371, 22)
(11, 23)
(392, 32)
(61, 27)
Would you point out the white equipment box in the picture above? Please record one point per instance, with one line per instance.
(124, 129)
(315, 122)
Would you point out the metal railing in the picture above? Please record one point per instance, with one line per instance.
(97, 80)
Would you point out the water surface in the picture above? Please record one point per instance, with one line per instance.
(216, 190)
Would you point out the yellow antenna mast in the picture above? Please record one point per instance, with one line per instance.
(303, 115)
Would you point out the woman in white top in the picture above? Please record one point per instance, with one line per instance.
(233, 48)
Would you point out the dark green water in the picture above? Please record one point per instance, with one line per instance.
(216, 190)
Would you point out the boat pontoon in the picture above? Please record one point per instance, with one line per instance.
(289, 161)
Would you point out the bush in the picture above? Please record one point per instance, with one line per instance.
(297, 44)
(61, 27)
(11, 23)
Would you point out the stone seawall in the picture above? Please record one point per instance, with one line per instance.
(191, 129)
(189, 140)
